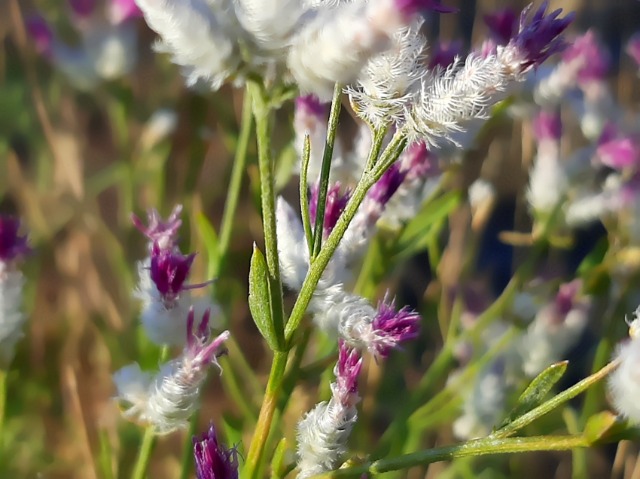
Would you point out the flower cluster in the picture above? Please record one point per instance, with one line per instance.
(213, 460)
(107, 47)
(12, 247)
(314, 44)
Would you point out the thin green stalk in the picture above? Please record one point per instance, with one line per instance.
(3, 401)
(331, 244)
(480, 447)
(263, 426)
(554, 402)
(144, 453)
(235, 182)
(262, 115)
(304, 199)
(325, 170)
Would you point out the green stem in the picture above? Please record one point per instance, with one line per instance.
(478, 447)
(325, 170)
(144, 453)
(256, 449)
(262, 114)
(554, 402)
(331, 244)
(304, 198)
(3, 401)
(187, 449)
(235, 182)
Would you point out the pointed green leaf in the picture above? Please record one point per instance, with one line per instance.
(259, 302)
(537, 390)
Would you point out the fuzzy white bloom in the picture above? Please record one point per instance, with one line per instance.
(624, 382)
(199, 34)
(293, 252)
(483, 404)
(167, 399)
(323, 432)
(383, 87)
(111, 49)
(448, 99)
(270, 22)
(337, 43)
(161, 124)
(11, 317)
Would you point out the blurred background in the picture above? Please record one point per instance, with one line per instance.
(99, 129)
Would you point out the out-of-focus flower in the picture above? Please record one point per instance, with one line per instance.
(620, 153)
(633, 48)
(315, 44)
(335, 205)
(107, 47)
(167, 399)
(590, 56)
(324, 431)
(555, 329)
(12, 247)
(213, 460)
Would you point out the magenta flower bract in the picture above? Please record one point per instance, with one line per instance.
(169, 271)
(12, 244)
(159, 231)
(593, 57)
(393, 327)
(213, 460)
(335, 205)
(502, 25)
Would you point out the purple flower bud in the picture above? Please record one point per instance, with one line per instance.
(41, 34)
(418, 162)
(214, 461)
(538, 36)
(619, 153)
(347, 371)
(169, 271)
(335, 205)
(590, 54)
(565, 299)
(633, 48)
(123, 10)
(411, 7)
(547, 125)
(12, 244)
(310, 105)
(444, 54)
(393, 327)
(158, 231)
(387, 185)
(502, 25)
(82, 8)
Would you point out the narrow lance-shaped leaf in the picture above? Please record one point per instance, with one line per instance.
(259, 304)
(536, 391)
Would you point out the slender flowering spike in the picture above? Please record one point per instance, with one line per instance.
(624, 382)
(310, 119)
(633, 48)
(213, 460)
(502, 25)
(169, 271)
(160, 232)
(324, 431)
(167, 400)
(12, 247)
(335, 205)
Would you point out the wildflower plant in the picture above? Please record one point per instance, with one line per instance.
(363, 370)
